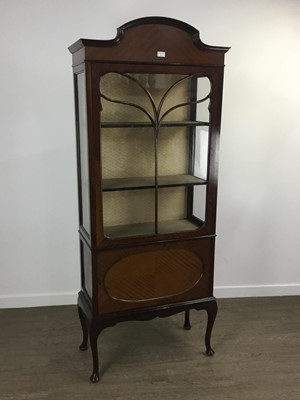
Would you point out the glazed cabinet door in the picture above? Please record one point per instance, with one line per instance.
(154, 152)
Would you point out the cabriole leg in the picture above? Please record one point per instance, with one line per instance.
(94, 333)
(212, 310)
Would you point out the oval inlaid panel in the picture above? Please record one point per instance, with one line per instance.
(153, 275)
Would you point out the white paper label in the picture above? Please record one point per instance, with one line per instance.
(161, 54)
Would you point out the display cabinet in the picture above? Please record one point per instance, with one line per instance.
(148, 111)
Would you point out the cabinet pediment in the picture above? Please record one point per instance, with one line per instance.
(157, 40)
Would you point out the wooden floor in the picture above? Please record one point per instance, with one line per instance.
(257, 344)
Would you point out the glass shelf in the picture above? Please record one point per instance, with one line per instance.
(148, 182)
(113, 232)
(132, 124)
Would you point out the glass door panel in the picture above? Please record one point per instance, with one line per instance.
(128, 162)
(183, 156)
(154, 145)
(128, 167)
(128, 213)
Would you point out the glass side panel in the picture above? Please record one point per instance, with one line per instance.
(200, 152)
(83, 147)
(154, 146)
(199, 203)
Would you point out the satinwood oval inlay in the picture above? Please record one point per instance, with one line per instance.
(153, 275)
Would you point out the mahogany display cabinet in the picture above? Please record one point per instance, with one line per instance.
(148, 112)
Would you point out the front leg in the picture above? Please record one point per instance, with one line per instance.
(94, 333)
(211, 309)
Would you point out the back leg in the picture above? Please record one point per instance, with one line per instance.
(187, 324)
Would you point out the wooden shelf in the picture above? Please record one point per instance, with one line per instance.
(148, 182)
(132, 124)
(142, 229)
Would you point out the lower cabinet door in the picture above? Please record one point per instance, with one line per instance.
(155, 275)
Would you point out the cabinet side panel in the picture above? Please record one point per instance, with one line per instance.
(86, 269)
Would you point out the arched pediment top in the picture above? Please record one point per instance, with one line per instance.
(175, 23)
(161, 21)
(155, 40)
